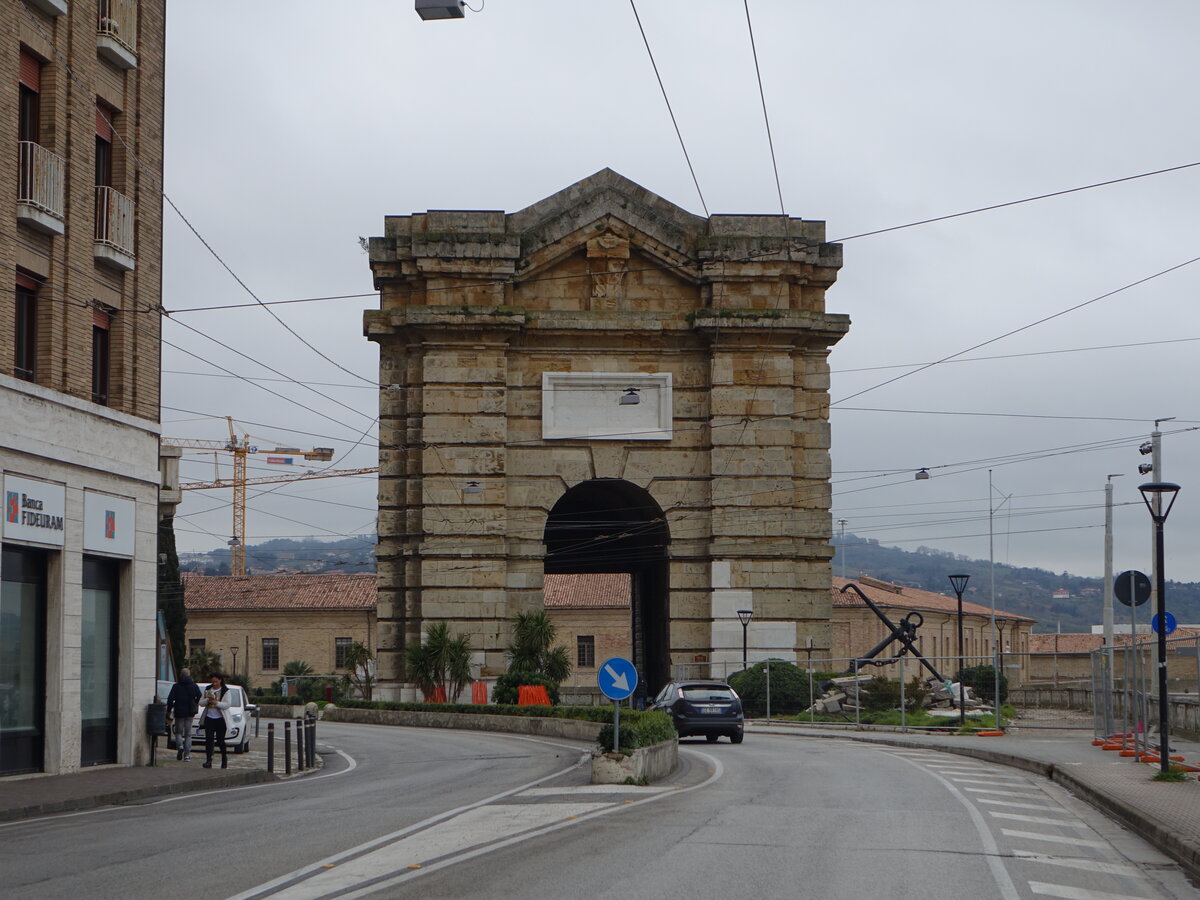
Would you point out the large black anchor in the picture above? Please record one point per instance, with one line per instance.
(905, 633)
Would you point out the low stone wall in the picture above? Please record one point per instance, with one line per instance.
(572, 729)
(1183, 712)
(281, 712)
(644, 765)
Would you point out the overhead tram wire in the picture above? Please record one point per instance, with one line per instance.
(667, 100)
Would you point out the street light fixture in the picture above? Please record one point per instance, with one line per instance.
(1153, 493)
(744, 616)
(959, 583)
(431, 10)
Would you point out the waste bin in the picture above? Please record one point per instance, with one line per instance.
(156, 718)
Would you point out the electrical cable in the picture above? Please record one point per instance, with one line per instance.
(763, 97)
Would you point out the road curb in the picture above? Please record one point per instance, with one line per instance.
(133, 795)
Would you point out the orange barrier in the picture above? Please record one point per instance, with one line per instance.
(1128, 753)
(1098, 742)
(479, 693)
(990, 733)
(1113, 747)
(532, 695)
(437, 696)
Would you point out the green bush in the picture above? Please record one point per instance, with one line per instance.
(645, 729)
(505, 690)
(982, 682)
(789, 688)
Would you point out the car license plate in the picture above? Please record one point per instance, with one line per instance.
(710, 709)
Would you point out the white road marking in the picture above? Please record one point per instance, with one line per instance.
(472, 828)
(1053, 838)
(1029, 793)
(994, 781)
(1008, 890)
(593, 789)
(1009, 803)
(1088, 865)
(1073, 893)
(296, 880)
(1036, 820)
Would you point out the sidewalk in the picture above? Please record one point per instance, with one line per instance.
(31, 796)
(1166, 814)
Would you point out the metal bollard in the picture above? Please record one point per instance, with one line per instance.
(299, 746)
(287, 748)
(311, 742)
(271, 747)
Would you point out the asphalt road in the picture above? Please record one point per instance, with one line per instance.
(441, 814)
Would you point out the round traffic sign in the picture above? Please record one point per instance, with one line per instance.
(1169, 621)
(1132, 587)
(616, 678)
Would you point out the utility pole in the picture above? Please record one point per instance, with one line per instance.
(1108, 656)
(1156, 503)
(842, 546)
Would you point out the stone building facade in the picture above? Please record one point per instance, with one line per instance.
(604, 382)
(257, 624)
(80, 247)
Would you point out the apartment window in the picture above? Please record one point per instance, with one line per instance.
(195, 645)
(270, 653)
(100, 356)
(30, 101)
(341, 646)
(106, 118)
(585, 651)
(25, 332)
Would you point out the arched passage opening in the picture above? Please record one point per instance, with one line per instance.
(611, 525)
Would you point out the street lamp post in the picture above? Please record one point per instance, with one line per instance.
(234, 649)
(1156, 491)
(744, 616)
(959, 583)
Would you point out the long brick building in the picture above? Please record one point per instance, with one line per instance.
(80, 247)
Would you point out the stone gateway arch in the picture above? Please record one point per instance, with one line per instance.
(604, 382)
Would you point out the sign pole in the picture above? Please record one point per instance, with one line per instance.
(616, 726)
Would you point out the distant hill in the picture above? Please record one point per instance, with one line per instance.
(1028, 592)
(286, 555)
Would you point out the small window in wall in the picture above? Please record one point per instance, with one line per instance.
(25, 334)
(30, 99)
(105, 116)
(270, 653)
(195, 644)
(585, 651)
(100, 356)
(341, 646)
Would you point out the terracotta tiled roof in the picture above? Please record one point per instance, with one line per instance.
(1076, 642)
(887, 595)
(603, 590)
(329, 591)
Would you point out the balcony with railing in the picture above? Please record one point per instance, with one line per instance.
(41, 176)
(116, 33)
(114, 229)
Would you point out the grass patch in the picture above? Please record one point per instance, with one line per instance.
(1172, 775)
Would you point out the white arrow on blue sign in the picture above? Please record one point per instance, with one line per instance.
(617, 678)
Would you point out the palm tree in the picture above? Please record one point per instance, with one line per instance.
(203, 663)
(532, 648)
(442, 661)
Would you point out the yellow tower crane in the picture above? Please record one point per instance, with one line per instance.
(241, 449)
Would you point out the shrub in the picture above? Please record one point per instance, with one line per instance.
(982, 681)
(645, 729)
(789, 688)
(505, 690)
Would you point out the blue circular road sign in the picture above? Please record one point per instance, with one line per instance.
(1167, 619)
(616, 678)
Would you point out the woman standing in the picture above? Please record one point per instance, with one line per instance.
(214, 703)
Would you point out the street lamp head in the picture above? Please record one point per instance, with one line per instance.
(745, 615)
(1162, 489)
(431, 10)
(922, 475)
(959, 583)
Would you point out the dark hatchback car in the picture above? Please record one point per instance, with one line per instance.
(708, 708)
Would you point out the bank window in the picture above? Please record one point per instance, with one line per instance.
(22, 659)
(341, 646)
(585, 651)
(270, 653)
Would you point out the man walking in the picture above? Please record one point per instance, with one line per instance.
(183, 702)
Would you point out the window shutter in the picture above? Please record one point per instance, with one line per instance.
(101, 319)
(104, 117)
(24, 281)
(31, 71)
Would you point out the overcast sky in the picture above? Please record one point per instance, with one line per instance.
(294, 128)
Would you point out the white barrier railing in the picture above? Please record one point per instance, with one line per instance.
(114, 219)
(41, 178)
(118, 20)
